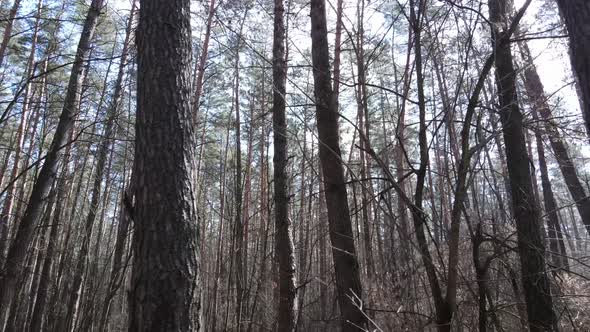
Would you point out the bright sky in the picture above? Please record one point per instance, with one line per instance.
(552, 60)
(551, 56)
(120, 4)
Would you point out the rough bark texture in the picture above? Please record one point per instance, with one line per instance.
(18, 250)
(576, 14)
(284, 241)
(526, 213)
(165, 290)
(346, 263)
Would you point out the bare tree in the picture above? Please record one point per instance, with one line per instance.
(346, 263)
(283, 238)
(525, 208)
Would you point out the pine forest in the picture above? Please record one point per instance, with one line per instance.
(294, 165)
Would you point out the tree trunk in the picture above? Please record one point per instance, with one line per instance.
(37, 316)
(60, 260)
(118, 268)
(284, 241)
(220, 240)
(238, 252)
(95, 192)
(536, 92)
(41, 259)
(8, 30)
(444, 312)
(557, 252)
(346, 262)
(576, 14)
(202, 62)
(337, 49)
(8, 206)
(526, 213)
(399, 159)
(323, 250)
(18, 249)
(165, 291)
(364, 126)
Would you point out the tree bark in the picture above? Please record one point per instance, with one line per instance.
(238, 239)
(536, 92)
(8, 206)
(165, 291)
(346, 262)
(526, 213)
(444, 311)
(37, 316)
(575, 14)
(284, 241)
(364, 125)
(220, 239)
(557, 254)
